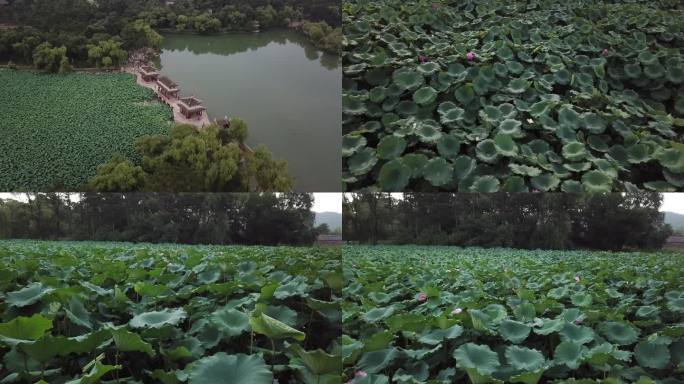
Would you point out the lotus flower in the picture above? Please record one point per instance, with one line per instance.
(422, 297)
(360, 373)
(456, 311)
(577, 279)
(422, 59)
(578, 321)
(470, 56)
(605, 52)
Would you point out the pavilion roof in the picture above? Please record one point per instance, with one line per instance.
(148, 69)
(191, 103)
(167, 83)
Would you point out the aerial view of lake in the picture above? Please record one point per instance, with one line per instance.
(286, 90)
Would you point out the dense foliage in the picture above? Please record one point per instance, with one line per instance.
(518, 220)
(454, 315)
(188, 159)
(127, 313)
(206, 218)
(487, 95)
(57, 129)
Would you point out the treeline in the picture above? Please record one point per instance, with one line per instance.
(191, 160)
(101, 33)
(526, 221)
(205, 218)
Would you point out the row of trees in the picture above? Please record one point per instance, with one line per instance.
(187, 160)
(254, 218)
(528, 221)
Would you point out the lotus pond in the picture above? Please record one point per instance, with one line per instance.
(134, 313)
(452, 315)
(56, 129)
(484, 96)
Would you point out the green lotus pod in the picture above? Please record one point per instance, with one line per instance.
(405, 79)
(394, 175)
(505, 146)
(158, 319)
(352, 143)
(486, 151)
(652, 355)
(428, 68)
(438, 172)
(524, 359)
(619, 333)
(632, 70)
(376, 361)
(510, 127)
(449, 146)
(574, 151)
(362, 161)
(353, 105)
(545, 182)
(425, 96)
(593, 123)
(478, 361)
(28, 295)
(517, 86)
(240, 368)
(428, 131)
(597, 181)
(485, 184)
(567, 117)
(416, 162)
(391, 147)
(514, 331)
(569, 353)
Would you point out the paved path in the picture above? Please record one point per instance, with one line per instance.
(173, 103)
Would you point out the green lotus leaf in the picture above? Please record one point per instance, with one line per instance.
(377, 94)
(437, 336)
(525, 312)
(581, 299)
(28, 295)
(438, 172)
(240, 368)
(77, 313)
(514, 331)
(486, 151)
(394, 176)
(524, 359)
(428, 68)
(540, 108)
(510, 127)
(449, 146)
(675, 73)
(545, 182)
(577, 333)
(376, 361)
(569, 353)
(485, 184)
(514, 67)
(230, 322)
(127, 341)
(654, 71)
(652, 355)
(619, 333)
(465, 94)
(319, 362)
(407, 79)
(425, 96)
(568, 117)
(500, 69)
(429, 131)
(549, 326)
(416, 162)
(362, 161)
(555, 63)
(504, 53)
(638, 153)
(676, 304)
(597, 181)
(407, 108)
(562, 77)
(515, 184)
(158, 319)
(272, 328)
(593, 123)
(505, 146)
(478, 358)
(633, 70)
(464, 166)
(572, 186)
(491, 114)
(372, 125)
(659, 186)
(517, 86)
(25, 328)
(391, 147)
(646, 311)
(352, 105)
(352, 143)
(450, 115)
(598, 143)
(456, 69)
(574, 151)
(647, 58)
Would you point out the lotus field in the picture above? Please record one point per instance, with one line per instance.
(56, 129)
(451, 315)
(483, 96)
(123, 313)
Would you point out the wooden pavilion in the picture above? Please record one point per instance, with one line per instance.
(191, 107)
(167, 87)
(148, 73)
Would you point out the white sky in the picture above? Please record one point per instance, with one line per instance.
(673, 202)
(323, 202)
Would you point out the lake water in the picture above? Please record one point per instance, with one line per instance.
(287, 91)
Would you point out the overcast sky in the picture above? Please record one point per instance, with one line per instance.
(323, 202)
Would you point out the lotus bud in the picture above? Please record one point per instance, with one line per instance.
(422, 297)
(456, 311)
(605, 52)
(470, 56)
(360, 373)
(577, 279)
(422, 59)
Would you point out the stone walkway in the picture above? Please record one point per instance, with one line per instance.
(173, 103)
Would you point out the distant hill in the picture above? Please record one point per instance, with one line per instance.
(676, 220)
(333, 219)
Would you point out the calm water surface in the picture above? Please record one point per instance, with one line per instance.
(286, 90)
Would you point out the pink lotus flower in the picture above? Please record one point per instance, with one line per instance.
(456, 311)
(605, 52)
(422, 59)
(578, 321)
(422, 297)
(360, 373)
(470, 56)
(577, 279)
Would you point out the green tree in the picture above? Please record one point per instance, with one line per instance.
(270, 174)
(106, 53)
(118, 175)
(238, 130)
(206, 24)
(64, 65)
(47, 58)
